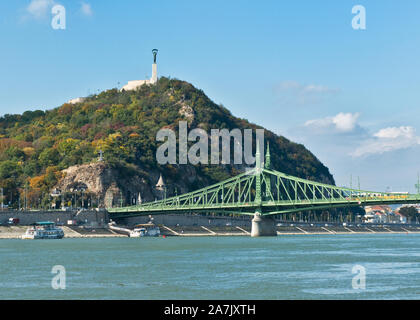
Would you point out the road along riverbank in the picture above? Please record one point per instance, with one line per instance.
(15, 232)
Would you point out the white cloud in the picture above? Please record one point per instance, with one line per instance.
(388, 139)
(317, 88)
(394, 132)
(86, 9)
(287, 85)
(301, 93)
(343, 122)
(39, 8)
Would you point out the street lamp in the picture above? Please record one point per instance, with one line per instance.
(83, 199)
(74, 191)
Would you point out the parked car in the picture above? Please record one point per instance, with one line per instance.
(13, 221)
(72, 223)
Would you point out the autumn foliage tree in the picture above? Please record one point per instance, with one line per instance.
(37, 145)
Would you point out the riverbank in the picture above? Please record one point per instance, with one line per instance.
(289, 229)
(15, 232)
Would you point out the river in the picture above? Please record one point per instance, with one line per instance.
(283, 267)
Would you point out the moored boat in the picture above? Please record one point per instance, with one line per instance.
(44, 230)
(145, 230)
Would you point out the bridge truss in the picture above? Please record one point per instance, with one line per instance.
(267, 192)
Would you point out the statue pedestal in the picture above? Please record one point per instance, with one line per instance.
(153, 79)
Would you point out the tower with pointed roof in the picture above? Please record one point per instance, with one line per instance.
(160, 185)
(267, 162)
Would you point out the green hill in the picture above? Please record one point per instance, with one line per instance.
(36, 146)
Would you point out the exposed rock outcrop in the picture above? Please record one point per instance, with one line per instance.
(104, 182)
(186, 111)
(107, 185)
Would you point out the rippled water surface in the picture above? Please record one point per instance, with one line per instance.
(284, 267)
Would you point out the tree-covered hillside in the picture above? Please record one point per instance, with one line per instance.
(37, 145)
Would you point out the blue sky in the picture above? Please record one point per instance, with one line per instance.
(296, 67)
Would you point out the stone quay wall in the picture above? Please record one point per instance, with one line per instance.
(88, 217)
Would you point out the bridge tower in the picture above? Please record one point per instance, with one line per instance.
(267, 161)
(267, 165)
(261, 226)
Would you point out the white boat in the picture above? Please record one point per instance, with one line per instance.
(145, 230)
(140, 230)
(44, 230)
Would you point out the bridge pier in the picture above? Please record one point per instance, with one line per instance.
(263, 226)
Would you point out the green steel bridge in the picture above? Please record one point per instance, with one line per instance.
(264, 192)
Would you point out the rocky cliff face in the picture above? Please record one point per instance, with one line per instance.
(108, 186)
(103, 182)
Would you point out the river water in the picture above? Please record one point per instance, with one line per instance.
(283, 267)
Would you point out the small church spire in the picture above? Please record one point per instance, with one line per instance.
(160, 185)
